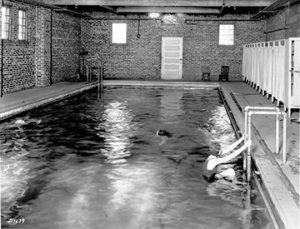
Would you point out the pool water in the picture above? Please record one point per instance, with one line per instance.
(98, 163)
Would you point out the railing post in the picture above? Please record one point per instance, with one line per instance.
(277, 134)
(246, 138)
(98, 74)
(101, 78)
(249, 148)
(284, 138)
(87, 73)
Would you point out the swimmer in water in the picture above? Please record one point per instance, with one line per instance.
(164, 134)
(214, 168)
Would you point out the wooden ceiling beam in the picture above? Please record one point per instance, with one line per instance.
(275, 5)
(192, 10)
(169, 3)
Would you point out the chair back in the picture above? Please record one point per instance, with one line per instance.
(224, 70)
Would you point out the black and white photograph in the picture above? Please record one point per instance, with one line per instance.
(150, 114)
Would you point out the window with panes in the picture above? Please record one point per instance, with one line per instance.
(119, 33)
(22, 25)
(5, 22)
(226, 35)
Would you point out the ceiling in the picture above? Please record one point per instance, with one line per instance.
(205, 7)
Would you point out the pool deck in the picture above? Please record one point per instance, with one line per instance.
(15, 103)
(280, 180)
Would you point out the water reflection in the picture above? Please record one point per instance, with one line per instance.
(170, 107)
(117, 123)
(133, 194)
(126, 181)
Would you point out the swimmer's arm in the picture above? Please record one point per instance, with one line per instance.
(232, 146)
(234, 154)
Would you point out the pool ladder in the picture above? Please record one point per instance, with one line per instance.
(252, 110)
(100, 74)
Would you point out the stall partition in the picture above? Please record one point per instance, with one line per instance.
(273, 68)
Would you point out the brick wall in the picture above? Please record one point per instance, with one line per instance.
(27, 64)
(140, 58)
(1, 90)
(18, 56)
(66, 46)
(43, 47)
(288, 17)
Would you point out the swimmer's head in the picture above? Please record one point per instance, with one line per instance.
(159, 132)
(163, 133)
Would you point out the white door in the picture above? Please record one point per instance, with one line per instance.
(296, 62)
(171, 64)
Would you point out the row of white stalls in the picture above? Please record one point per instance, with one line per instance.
(273, 67)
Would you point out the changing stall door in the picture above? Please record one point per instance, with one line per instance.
(296, 74)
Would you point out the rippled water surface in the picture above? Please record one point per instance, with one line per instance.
(87, 163)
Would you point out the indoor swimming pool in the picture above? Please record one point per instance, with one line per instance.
(98, 163)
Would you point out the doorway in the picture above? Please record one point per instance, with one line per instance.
(171, 63)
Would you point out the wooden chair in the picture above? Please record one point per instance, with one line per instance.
(205, 72)
(224, 73)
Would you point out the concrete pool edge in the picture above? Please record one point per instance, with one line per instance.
(161, 83)
(22, 107)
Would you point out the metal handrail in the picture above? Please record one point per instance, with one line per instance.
(100, 80)
(100, 74)
(251, 110)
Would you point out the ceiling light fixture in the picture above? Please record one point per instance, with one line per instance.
(154, 15)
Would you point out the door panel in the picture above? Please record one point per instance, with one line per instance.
(171, 66)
